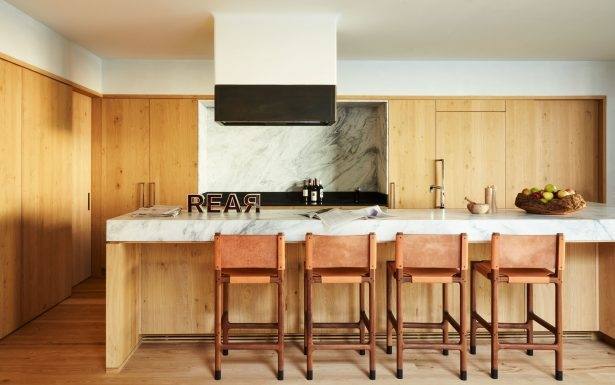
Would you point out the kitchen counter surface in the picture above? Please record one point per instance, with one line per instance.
(594, 224)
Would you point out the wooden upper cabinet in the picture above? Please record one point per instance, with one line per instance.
(125, 155)
(47, 173)
(10, 197)
(173, 149)
(553, 141)
(472, 145)
(412, 144)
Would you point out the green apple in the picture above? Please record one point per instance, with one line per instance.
(563, 193)
(548, 195)
(550, 188)
(535, 189)
(543, 200)
(526, 191)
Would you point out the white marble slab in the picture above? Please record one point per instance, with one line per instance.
(594, 224)
(345, 156)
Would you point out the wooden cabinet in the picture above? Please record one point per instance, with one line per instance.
(82, 181)
(472, 145)
(412, 145)
(46, 193)
(10, 197)
(148, 156)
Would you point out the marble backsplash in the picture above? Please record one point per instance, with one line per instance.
(347, 155)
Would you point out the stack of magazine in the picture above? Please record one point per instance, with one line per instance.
(333, 218)
(157, 211)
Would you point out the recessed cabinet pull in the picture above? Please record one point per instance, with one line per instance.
(141, 187)
(392, 195)
(89, 206)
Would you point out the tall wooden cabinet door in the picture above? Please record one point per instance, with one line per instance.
(47, 146)
(125, 156)
(173, 150)
(472, 145)
(553, 141)
(82, 130)
(412, 146)
(10, 197)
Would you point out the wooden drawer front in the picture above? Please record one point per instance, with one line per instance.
(470, 105)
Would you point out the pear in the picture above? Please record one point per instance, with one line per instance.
(548, 195)
(563, 193)
(550, 188)
(526, 191)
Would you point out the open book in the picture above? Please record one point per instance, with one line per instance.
(333, 218)
(157, 211)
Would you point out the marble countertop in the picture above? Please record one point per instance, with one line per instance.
(594, 224)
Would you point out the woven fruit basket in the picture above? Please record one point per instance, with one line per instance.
(559, 206)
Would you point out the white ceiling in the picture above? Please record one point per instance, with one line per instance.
(368, 29)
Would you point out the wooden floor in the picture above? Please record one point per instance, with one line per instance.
(66, 346)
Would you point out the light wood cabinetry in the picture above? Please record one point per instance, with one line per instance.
(82, 180)
(470, 105)
(472, 145)
(10, 197)
(412, 151)
(46, 193)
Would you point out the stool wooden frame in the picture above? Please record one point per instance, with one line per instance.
(341, 259)
(248, 259)
(527, 259)
(428, 259)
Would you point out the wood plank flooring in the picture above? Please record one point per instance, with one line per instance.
(66, 346)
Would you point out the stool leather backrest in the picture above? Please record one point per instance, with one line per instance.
(249, 251)
(338, 251)
(431, 251)
(528, 251)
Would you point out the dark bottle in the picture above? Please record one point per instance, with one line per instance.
(313, 192)
(305, 192)
(321, 191)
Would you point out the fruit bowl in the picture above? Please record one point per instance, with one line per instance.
(560, 206)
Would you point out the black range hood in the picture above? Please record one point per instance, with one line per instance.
(275, 105)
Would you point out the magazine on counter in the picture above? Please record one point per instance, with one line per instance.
(157, 211)
(334, 217)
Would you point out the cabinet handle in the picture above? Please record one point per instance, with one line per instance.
(141, 187)
(152, 193)
(392, 195)
(89, 206)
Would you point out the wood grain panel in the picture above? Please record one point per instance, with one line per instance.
(10, 197)
(125, 156)
(553, 141)
(412, 144)
(607, 289)
(47, 148)
(82, 177)
(173, 149)
(122, 303)
(97, 240)
(472, 145)
(470, 105)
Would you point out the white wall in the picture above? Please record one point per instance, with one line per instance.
(401, 78)
(30, 41)
(275, 49)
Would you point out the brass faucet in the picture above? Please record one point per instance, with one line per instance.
(440, 187)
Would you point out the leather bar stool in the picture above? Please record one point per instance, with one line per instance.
(341, 259)
(248, 259)
(440, 259)
(527, 259)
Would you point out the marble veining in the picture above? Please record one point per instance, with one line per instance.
(347, 155)
(594, 224)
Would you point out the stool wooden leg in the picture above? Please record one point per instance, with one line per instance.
(218, 327)
(559, 337)
(305, 309)
(225, 317)
(494, 324)
(444, 319)
(389, 326)
(308, 325)
(400, 324)
(361, 311)
(530, 323)
(463, 337)
(372, 326)
(281, 308)
(473, 321)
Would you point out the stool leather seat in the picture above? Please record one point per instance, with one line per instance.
(518, 274)
(426, 274)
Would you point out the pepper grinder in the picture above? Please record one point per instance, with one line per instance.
(490, 199)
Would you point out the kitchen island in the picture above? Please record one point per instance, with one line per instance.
(149, 294)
